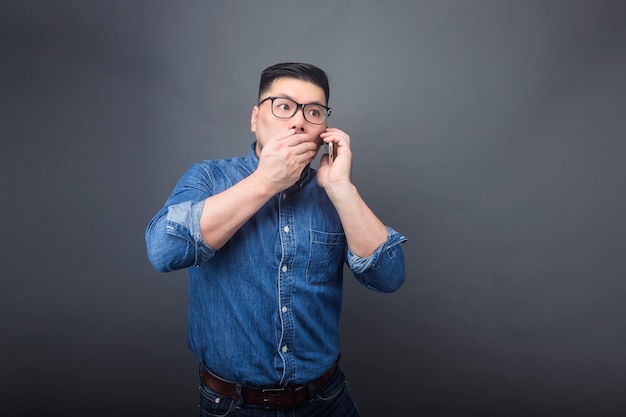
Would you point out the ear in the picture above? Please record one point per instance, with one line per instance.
(253, 118)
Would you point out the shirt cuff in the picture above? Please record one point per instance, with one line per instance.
(183, 220)
(359, 265)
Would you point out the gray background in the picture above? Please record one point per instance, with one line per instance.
(491, 133)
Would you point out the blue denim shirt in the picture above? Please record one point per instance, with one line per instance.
(264, 309)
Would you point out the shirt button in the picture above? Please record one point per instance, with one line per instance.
(284, 349)
(284, 309)
(286, 229)
(284, 268)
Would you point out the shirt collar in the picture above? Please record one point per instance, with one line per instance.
(252, 161)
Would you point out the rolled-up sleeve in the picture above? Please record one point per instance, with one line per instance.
(383, 270)
(173, 237)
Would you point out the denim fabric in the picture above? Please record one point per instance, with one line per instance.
(333, 400)
(264, 309)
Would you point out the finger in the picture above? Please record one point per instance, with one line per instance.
(334, 132)
(298, 138)
(340, 140)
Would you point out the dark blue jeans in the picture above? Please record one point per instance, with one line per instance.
(333, 400)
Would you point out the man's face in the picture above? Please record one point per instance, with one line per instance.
(266, 126)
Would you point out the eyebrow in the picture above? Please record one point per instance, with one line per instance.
(291, 98)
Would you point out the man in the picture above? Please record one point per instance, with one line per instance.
(265, 238)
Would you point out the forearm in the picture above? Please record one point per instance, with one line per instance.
(363, 229)
(224, 213)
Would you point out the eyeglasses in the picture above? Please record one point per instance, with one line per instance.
(285, 108)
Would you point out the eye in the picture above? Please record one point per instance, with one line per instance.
(283, 105)
(315, 111)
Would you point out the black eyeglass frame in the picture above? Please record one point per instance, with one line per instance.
(298, 106)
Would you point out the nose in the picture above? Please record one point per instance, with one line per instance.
(298, 121)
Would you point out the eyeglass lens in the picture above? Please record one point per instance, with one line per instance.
(286, 108)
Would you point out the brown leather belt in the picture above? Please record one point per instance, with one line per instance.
(271, 398)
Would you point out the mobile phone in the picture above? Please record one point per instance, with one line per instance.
(331, 152)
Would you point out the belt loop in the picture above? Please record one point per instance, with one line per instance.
(311, 392)
(239, 404)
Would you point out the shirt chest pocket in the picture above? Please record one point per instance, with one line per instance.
(326, 255)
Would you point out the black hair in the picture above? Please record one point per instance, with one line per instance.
(300, 71)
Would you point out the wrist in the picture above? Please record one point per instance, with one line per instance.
(338, 193)
(261, 187)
